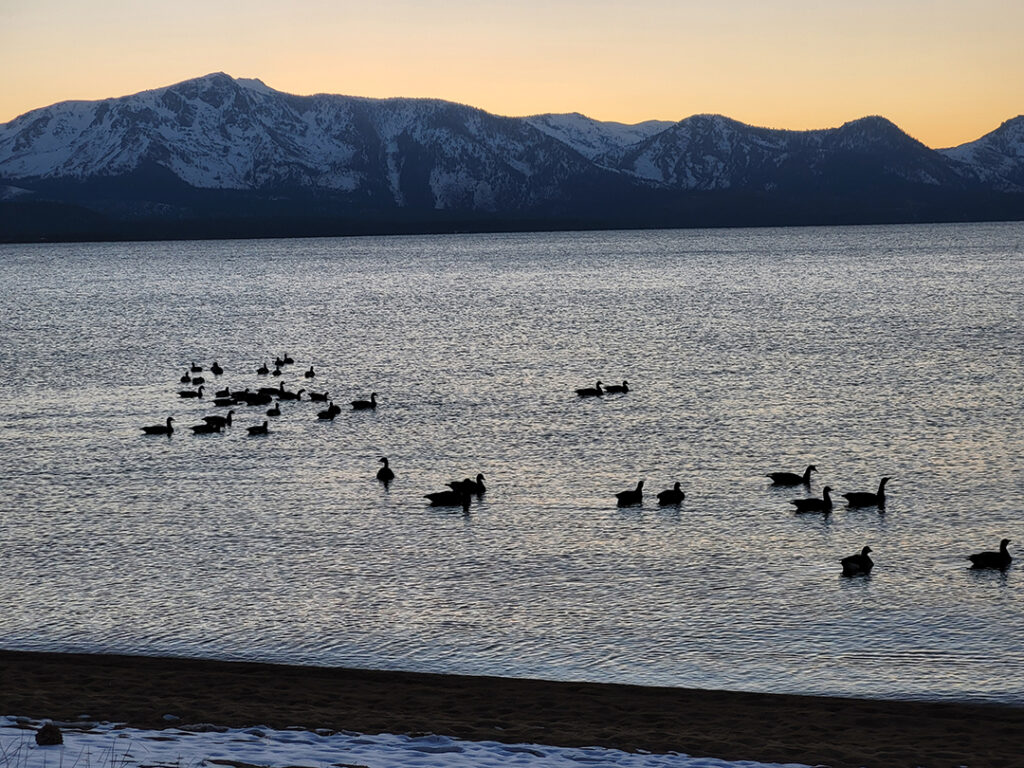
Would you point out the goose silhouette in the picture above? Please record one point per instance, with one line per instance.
(275, 409)
(215, 369)
(160, 429)
(262, 370)
(223, 421)
(631, 498)
(992, 560)
(187, 393)
(824, 504)
(594, 391)
(617, 388)
(260, 430)
(865, 499)
(206, 428)
(385, 474)
(468, 485)
(310, 373)
(854, 565)
(449, 499)
(791, 478)
(671, 496)
(365, 405)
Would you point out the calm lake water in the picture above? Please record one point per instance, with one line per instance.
(867, 351)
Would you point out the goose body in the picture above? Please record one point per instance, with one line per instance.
(187, 393)
(279, 363)
(215, 369)
(824, 504)
(186, 379)
(276, 372)
(226, 392)
(792, 478)
(287, 359)
(854, 565)
(673, 495)
(468, 485)
(198, 380)
(160, 429)
(999, 560)
(329, 413)
(385, 474)
(260, 430)
(364, 405)
(310, 373)
(262, 370)
(286, 395)
(617, 388)
(224, 402)
(274, 410)
(864, 499)
(206, 428)
(449, 499)
(196, 368)
(594, 391)
(631, 498)
(319, 397)
(223, 421)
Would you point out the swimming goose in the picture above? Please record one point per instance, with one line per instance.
(275, 409)
(224, 402)
(226, 392)
(284, 394)
(590, 391)
(262, 370)
(260, 430)
(215, 369)
(310, 373)
(198, 380)
(824, 504)
(385, 474)
(671, 496)
(999, 560)
(223, 421)
(206, 428)
(449, 499)
(330, 413)
(186, 379)
(190, 393)
(791, 478)
(279, 362)
(617, 388)
(287, 359)
(160, 429)
(276, 372)
(855, 565)
(865, 499)
(363, 405)
(196, 368)
(319, 397)
(630, 498)
(468, 485)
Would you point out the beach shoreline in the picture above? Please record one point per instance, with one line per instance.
(844, 733)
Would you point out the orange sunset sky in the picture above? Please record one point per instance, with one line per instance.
(946, 72)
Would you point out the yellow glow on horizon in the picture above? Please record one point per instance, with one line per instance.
(946, 72)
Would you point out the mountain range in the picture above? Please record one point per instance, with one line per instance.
(218, 156)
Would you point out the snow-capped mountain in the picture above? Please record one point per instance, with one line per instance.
(217, 147)
(996, 157)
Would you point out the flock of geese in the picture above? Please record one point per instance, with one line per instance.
(460, 493)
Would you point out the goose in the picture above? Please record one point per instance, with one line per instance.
(224, 421)
(791, 478)
(590, 391)
(449, 499)
(287, 359)
(310, 373)
(855, 565)
(865, 499)
(999, 560)
(215, 369)
(469, 486)
(191, 393)
(279, 362)
(671, 496)
(226, 392)
(225, 402)
(274, 410)
(363, 405)
(260, 430)
(286, 395)
(630, 498)
(186, 379)
(329, 414)
(385, 474)
(262, 370)
(824, 504)
(617, 388)
(319, 397)
(160, 429)
(276, 372)
(206, 428)
(198, 380)
(196, 368)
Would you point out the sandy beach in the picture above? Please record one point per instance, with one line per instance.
(140, 691)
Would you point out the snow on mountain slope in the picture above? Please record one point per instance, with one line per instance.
(997, 157)
(594, 138)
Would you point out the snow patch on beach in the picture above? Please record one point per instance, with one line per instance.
(106, 745)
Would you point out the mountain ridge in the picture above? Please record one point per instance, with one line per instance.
(211, 147)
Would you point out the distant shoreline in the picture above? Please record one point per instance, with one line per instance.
(838, 732)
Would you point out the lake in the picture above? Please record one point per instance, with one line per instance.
(867, 351)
